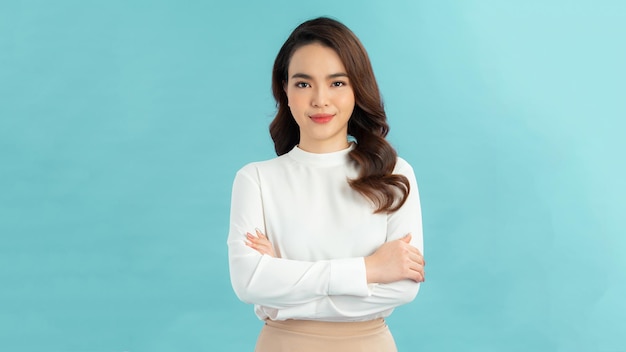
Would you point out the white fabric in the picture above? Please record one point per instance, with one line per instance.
(321, 230)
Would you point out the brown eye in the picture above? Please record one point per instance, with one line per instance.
(302, 85)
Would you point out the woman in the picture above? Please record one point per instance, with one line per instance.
(336, 216)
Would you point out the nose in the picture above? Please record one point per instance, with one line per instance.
(320, 97)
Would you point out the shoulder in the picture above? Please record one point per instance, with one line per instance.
(253, 169)
(402, 167)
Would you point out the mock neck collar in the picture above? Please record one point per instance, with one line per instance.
(323, 159)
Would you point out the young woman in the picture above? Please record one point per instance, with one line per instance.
(325, 240)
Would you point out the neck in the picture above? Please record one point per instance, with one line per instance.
(321, 148)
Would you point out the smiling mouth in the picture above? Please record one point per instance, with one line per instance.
(321, 118)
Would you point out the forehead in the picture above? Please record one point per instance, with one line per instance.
(315, 59)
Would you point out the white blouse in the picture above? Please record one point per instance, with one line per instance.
(321, 230)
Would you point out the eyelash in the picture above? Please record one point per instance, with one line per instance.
(306, 85)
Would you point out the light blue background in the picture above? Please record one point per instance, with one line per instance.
(122, 124)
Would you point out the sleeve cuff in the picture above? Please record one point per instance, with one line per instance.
(348, 277)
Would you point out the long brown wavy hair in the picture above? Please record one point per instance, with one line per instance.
(375, 157)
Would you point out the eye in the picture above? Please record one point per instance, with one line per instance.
(338, 84)
(302, 85)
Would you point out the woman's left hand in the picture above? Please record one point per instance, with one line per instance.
(260, 243)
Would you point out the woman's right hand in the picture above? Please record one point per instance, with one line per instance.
(260, 243)
(394, 261)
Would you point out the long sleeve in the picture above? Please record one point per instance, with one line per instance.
(275, 282)
(321, 230)
(381, 297)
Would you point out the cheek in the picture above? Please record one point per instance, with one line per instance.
(295, 101)
(295, 105)
(347, 101)
(346, 96)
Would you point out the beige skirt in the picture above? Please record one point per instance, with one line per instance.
(309, 336)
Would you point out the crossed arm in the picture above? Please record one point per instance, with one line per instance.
(393, 261)
(329, 289)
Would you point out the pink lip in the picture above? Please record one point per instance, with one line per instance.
(321, 118)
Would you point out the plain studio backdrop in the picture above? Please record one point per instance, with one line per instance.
(122, 124)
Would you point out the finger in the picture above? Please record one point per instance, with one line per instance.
(414, 253)
(253, 246)
(267, 250)
(254, 242)
(255, 239)
(259, 233)
(407, 238)
(263, 245)
(416, 276)
(258, 248)
(416, 266)
(262, 250)
(419, 273)
(416, 258)
(421, 277)
(415, 250)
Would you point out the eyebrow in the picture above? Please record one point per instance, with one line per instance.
(305, 76)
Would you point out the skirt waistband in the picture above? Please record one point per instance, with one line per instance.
(326, 328)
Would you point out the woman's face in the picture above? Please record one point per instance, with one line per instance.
(320, 98)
